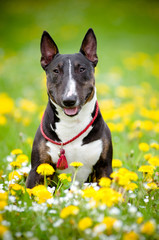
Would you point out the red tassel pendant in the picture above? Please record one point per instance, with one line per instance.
(62, 161)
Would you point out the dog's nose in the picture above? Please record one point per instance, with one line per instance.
(69, 101)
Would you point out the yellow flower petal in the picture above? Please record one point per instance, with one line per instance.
(130, 235)
(148, 228)
(63, 176)
(45, 169)
(154, 145)
(70, 210)
(116, 163)
(144, 147)
(146, 169)
(14, 175)
(76, 164)
(21, 158)
(85, 223)
(15, 164)
(154, 161)
(16, 151)
(104, 182)
(152, 185)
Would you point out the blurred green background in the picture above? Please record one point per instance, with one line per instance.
(123, 28)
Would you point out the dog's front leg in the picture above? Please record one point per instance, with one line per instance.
(39, 155)
(103, 167)
(34, 178)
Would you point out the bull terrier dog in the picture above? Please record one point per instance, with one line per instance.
(72, 128)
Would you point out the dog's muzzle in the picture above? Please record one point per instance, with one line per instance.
(70, 105)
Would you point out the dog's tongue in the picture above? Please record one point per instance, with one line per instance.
(70, 111)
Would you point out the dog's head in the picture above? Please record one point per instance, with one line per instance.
(70, 77)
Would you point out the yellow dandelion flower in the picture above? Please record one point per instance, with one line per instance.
(3, 200)
(43, 196)
(8, 104)
(115, 127)
(132, 176)
(14, 188)
(154, 145)
(76, 164)
(152, 185)
(139, 220)
(16, 151)
(29, 191)
(41, 193)
(107, 196)
(156, 128)
(120, 179)
(123, 180)
(130, 235)
(154, 161)
(89, 192)
(15, 164)
(3, 196)
(85, 223)
(104, 182)
(109, 222)
(148, 228)
(14, 175)
(116, 163)
(3, 120)
(37, 189)
(70, 210)
(63, 176)
(22, 158)
(147, 125)
(144, 147)
(147, 156)
(123, 171)
(2, 205)
(131, 186)
(3, 229)
(124, 176)
(146, 169)
(45, 169)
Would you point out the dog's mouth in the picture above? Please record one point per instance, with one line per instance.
(71, 111)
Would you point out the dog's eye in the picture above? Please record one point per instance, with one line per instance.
(56, 70)
(82, 69)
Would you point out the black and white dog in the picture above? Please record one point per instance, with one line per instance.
(72, 122)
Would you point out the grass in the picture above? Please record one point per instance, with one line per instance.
(127, 78)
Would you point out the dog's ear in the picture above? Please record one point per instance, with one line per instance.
(89, 47)
(48, 49)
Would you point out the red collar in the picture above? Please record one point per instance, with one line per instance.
(74, 138)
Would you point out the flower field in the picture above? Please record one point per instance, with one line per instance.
(127, 82)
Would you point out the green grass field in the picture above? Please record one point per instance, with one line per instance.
(127, 81)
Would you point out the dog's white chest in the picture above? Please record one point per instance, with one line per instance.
(87, 154)
(66, 129)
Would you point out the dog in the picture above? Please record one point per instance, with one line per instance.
(72, 128)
